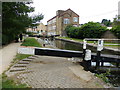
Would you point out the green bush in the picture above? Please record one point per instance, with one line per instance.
(88, 30)
(92, 30)
(73, 32)
(116, 31)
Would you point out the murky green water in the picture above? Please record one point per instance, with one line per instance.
(79, 47)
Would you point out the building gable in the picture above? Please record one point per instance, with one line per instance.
(68, 11)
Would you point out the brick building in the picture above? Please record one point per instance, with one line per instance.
(40, 29)
(57, 24)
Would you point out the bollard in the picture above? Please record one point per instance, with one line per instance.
(99, 49)
(117, 64)
(88, 55)
(88, 58)
(84, 48)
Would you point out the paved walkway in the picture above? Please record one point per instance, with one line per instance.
(53, 72)
(7, 55)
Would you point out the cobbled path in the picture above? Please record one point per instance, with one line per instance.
(53, 72)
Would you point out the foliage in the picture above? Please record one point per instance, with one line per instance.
(106, 22)
(103, 76)
(116, 27)
(31, 42)
(10, 83)
(116, 21)
(92, 30)
(20, 57)
(88, 30)
(116, 31)
(15, 19)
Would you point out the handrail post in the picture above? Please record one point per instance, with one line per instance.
(99, 49)
(84, 48)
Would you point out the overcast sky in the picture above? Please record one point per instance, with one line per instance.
(88, 10)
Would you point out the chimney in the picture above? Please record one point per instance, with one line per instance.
(59, 12)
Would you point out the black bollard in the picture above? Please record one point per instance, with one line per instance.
(98, 59)
(84, 48)
(99, 49)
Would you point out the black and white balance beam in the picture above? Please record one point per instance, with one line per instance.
(66, 53)
(49, 52)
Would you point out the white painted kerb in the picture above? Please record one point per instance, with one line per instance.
(26, 50)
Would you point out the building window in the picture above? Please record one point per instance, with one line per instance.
(75, 19)
(66, 21)
(54, 27)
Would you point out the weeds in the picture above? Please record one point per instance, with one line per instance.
(103, 76)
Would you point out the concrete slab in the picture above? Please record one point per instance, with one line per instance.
(79, 72)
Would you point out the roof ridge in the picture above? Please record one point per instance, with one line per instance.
(63, 14)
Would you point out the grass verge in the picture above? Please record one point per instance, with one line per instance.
(7, 82)
(31, 42)
(10, 83)
(20, 57)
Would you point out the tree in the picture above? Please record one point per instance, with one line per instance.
(92, 30)
(88, 30)
(116, 27)
(106, 22)
(116, 31)
(116, 21)
(72, 31)
(15, 19)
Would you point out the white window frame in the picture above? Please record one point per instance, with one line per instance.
(75, 19)
(54, 27)
(66, 20)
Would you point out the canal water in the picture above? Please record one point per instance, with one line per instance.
(115, 79)
(79, 47)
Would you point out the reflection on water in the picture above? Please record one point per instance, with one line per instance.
(67, 45)
(78, 47)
